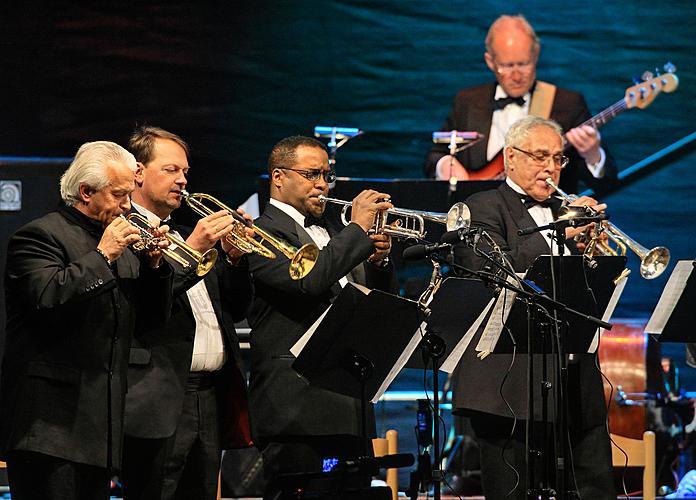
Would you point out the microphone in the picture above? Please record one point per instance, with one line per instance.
(569, 222)
(418, 252)
(459, 235)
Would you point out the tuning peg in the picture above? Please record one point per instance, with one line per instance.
(636, 80)
(657, 71)
(647, 76)
(669, 67)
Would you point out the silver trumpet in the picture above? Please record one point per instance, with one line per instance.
(408, 223)
(653, 262)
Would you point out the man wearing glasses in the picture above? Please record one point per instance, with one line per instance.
(299, 427)
(533, 152)
(512, 52)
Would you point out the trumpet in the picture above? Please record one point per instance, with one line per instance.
(653, 262)
(181, 253)
(410, 223)
(302, 260)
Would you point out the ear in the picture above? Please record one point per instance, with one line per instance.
(139, 174)
(277, 178)
(86, 193)
(489, 61)
(509, 153)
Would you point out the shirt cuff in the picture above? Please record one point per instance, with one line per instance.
(597, 169)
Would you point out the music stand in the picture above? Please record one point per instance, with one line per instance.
(455, 307)
(674, 316)
(577, 308)
(583, 304)
(360, 345)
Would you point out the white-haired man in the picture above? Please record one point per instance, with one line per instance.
(490, 391)
(72, 289)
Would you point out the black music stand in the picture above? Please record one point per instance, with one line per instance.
(579, 299)
(584, 305)
(357, 347)
(675, 314)
(455, 307)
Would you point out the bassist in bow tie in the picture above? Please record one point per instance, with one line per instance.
(512, 52)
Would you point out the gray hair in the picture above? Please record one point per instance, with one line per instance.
(89, 168)
(521, 23)
(521, 130)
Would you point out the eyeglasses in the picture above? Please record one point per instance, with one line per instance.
(508, 68)
(540, 157)
(314, 174)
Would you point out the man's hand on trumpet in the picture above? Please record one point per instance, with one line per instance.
(572, 232)
(233, 253)
(382, 243)
(209, 230)
(153, 253)
(366, 206)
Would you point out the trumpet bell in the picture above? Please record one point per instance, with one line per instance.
(654, 262)
(458, 217)
(206, 262)
(303, 261)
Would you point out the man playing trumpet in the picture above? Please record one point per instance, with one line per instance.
(296, 425)
(186, 389)
(73, 289)
(533, 152)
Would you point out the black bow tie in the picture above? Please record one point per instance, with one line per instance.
(501, 102)
(553, 203)
(310, 220)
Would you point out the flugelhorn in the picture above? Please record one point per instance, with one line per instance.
(653, 262)
(302, 260)
(410, 223)
(180, 253)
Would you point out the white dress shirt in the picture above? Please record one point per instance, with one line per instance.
(208, 344)
(542, 216)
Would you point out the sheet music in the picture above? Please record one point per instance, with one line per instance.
(670, 296)
(608, 312)
(299, 345)
(494, 327)
(401, 362)
(453, 359)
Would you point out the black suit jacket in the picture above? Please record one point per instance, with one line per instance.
(472, 111)
(70, 320)
(160, 359)
(501, 213)
(282, 404)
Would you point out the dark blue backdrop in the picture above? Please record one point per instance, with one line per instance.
(234, 77)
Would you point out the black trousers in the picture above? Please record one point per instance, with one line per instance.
(185, 465)
(35, 476)
(591, 469)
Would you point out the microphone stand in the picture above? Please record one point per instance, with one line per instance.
(563, 462)
(433, 348)
(532, 295)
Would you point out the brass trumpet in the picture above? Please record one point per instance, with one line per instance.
(653, 262)
(204, 261)
(412, 222)
(301, 260)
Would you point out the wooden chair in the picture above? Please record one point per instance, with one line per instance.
(641, 453)
(389, 446)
